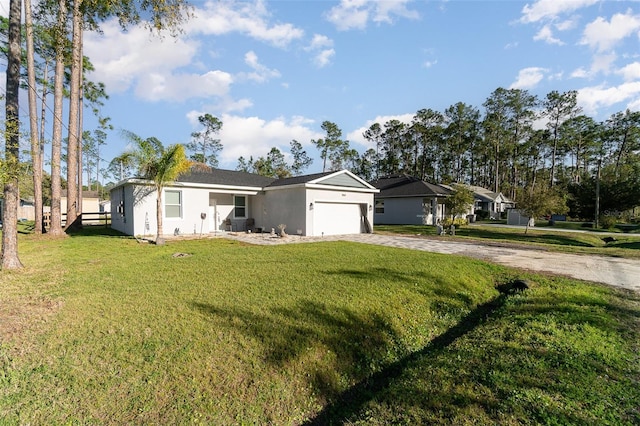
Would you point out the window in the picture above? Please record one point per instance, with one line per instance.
(379, 206)
(239, 206)
(173, 204)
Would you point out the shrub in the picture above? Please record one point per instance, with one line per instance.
(607, 222)
(457, 222)
(482, 214)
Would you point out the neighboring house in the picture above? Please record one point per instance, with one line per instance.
(105, 206)
(329, 203)
(26, 209)
(90, 202)
(493, 202)
(408, 200)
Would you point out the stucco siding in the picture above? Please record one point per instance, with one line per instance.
(401, 211)
(285, 207)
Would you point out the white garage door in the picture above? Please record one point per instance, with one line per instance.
(336, 219)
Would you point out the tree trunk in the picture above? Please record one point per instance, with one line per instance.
(160, 230)
(33, 122)
(10, 258)
(73, 190)
(56, 140)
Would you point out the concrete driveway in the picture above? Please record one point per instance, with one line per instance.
(613, 271)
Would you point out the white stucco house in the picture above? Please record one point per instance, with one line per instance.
(495, 203)
(408, 200)
(205, 202)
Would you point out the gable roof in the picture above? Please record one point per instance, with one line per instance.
(229, 180)
(408, 186)
(341, 178)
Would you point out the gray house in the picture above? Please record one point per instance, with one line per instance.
(408, 200)
(320, 204)
(493, 202)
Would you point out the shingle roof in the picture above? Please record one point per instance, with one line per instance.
(298, 179)
(226, 177)
(408, 186)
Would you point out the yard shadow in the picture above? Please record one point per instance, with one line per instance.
(632, 245)
(557, 239)
(95, 231)
(351, 401)
(286, 333)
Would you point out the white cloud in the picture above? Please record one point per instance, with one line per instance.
(602, 63)
(261, 73)
(630, 72)
(429, 64)
(120, 58)
(580, 73)
(566, 25)
(319, 41)
(356, 135)
(594, 98)
(356, 14)
(546, 34)
(323, 58)
(180, 87)
(603, 35)
(248, 18)
(322, 48)
(253, 136)
(551, 9)
(529, 78)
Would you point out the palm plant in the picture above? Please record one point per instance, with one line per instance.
(159, 164)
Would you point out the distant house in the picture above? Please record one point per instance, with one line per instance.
(226, 200)
(90, 201)
(408, 200)
(26, 209)
(493, 202)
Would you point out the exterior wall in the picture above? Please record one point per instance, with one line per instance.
(286, 206)
(409, 211)
(122, 209)
(89, 205)
(133, 211)
(400, 211)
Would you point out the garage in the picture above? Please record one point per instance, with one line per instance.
(336, 218)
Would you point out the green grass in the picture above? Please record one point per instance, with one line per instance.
(101, 329)
(625, 245)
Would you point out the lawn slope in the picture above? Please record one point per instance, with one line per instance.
(102, 329)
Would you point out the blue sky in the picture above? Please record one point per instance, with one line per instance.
(273, 71)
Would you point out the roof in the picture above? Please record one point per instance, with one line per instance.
(234, 178)
(408, 186)
(297, 180)
(225, 177)
(85, 194)
(340, 178)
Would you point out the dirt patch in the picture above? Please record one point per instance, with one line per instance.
(21, 315)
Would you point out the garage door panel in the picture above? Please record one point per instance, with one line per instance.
(336, 219)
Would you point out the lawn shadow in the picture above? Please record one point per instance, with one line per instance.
(631, 245)
(96, 231)
(351, 401)
(287, 333)
(557, 239)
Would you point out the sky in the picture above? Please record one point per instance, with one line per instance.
(273, 71)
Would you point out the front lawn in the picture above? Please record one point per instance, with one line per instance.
(102, 329)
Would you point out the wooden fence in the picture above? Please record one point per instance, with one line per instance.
(88, 218)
